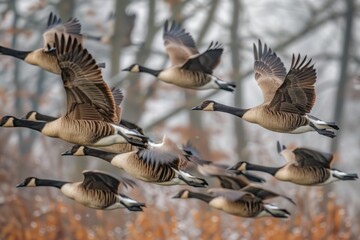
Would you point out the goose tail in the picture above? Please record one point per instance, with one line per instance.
(227, 86)
(344, 176)
(277, 212)
(131, 204)
(322, 127)
(191, 180)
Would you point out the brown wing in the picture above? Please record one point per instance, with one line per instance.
(205, 62)
(118, 97)
(71, 27)
(166, 154)
(178, 43)
(102, 180)
(263, 193)
(309, 157)
(297, 93)
(88, 96)
(233, 195)
(269, 70)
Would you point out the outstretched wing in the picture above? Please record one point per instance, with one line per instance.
(309, 157)
(297, 93)
(205, 62)
(263, 193)
(104, 181)
(178, 43)
(118, 98)
(233, 195)
(88, 96)
(71, 27)
(269, 70)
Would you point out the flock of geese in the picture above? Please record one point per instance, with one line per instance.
(93, 122)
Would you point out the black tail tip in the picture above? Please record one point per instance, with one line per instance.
(135, 208)
(350, 176)
(333, 125)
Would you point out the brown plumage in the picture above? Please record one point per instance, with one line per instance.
(98, 190)
(161, 164)
(127, 26)
(305, 167)
(45, 57)
(238, 203)
(92, 112)
(189, 68)
(288, 98)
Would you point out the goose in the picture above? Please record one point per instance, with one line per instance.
(244, 181)
(219, 171)
(189, 69)
(161, 164)
(98, 190)
(129, 17)
(304, 167)
(92, 114)
(44, 57)
(118, 97)
(238, 203)
(288, 98)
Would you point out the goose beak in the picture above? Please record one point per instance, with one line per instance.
(177, 196)
(196, 108)
(20, 185)
(128, 69)
(67, 153)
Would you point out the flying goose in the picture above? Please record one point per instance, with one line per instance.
(44, 57)
(189, 69)
(118, 97)
(288, 98)
(98, 190)
(161, 164)
(238, 203)
(304, 167)
(219, 171)
(129, 19)
(92, 113)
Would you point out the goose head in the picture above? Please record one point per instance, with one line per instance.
(240, 166)
(28, 182)
(76, 150)
(134, 68)
(182, 194)
(7, 121)
(207, 105)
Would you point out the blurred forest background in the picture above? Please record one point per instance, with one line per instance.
(325, 30)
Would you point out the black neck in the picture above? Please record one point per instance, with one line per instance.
(148, 70)
(45, 118)
(232, 110)
(49, 183)
(38, 126)
(15, 53)
(202, 196)
(260, 168)
(107, 156)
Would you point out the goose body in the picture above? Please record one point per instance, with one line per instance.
(305, 167)
(161, 165)
(236, 203)
(93, 110)
(128, 25)
(98, 190)
(44, 57)
(288, 97)
(189, 69)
